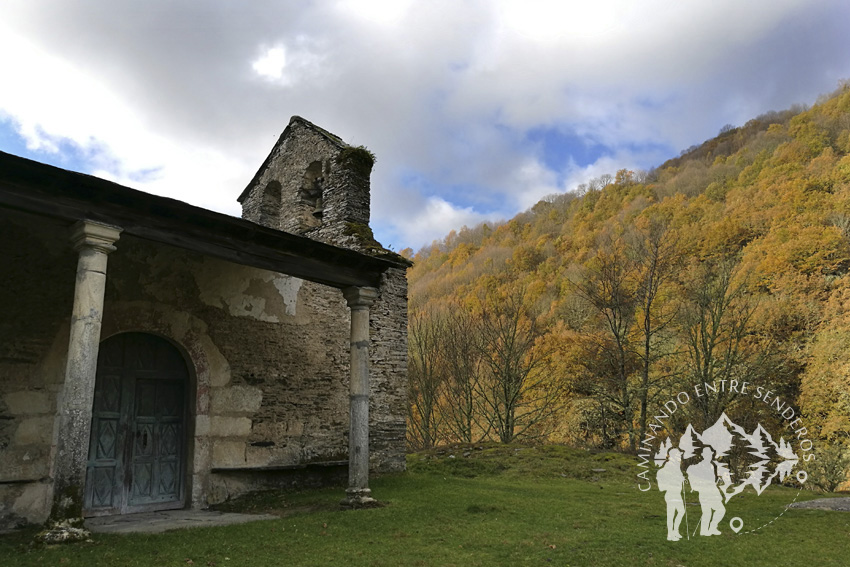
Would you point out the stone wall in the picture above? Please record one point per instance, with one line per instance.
(37, 283)
(345, 190)
(388, 360)
(293, 179)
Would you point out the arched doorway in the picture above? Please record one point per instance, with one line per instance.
(137, 450)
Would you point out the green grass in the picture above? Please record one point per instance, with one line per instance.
(489, 506)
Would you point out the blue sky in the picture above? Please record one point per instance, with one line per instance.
(475, 109)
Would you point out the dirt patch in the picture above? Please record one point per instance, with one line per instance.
(834, 504)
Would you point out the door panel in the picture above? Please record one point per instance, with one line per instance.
(137, 450)
(157, 449)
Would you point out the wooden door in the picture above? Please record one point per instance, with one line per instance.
(137, 449)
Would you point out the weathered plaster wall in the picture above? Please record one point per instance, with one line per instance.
(275, 391)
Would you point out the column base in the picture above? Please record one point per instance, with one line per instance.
(359, 498)
(66, 531)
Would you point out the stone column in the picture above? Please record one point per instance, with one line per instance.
(94, 241)
(359, 300)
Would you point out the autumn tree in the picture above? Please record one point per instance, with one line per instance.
(657, 262)
(825, 387)
(608, 285)
(715, 322)
(426, 376)
(462, 406)
(517, 393)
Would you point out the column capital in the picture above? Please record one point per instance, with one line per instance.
(360, 297)
(95, 235)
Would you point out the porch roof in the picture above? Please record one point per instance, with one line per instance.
(42, 189)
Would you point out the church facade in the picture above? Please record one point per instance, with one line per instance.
(156, 355)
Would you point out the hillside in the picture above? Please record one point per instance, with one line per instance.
(576, 319)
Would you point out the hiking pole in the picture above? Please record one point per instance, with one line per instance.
(698, 523)
(685, 506)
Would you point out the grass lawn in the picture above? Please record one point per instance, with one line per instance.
(491, 506)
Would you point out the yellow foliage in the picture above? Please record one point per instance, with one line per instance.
(774, 195)
(825, 385)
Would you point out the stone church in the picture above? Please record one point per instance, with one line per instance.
(156, 355)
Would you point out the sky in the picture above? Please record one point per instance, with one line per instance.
(475, 109)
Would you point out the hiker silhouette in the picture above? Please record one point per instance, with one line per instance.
(703, 479)
(670, 481)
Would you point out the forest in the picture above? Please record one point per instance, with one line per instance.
(575, 320)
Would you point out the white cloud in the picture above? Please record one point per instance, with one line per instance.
(50, 99)
(289, 66)
(380, 12)
(433, 218)
(535, 182)
(554, 21)
(61, 104)
(186, 99)
(271, 63)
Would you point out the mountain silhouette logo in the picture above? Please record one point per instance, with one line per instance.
(715, 466)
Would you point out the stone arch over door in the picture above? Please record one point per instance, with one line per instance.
(138, 445)
(208, 367)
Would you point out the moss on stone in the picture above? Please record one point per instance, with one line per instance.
(68, 506)
(358, 159)
(362, 232)
(365, 238)
(63, 532)
(65, 524)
